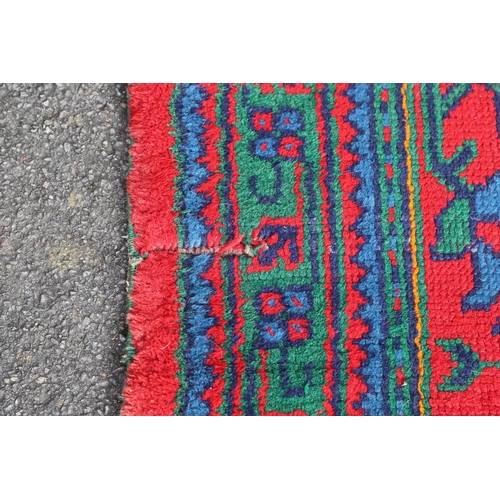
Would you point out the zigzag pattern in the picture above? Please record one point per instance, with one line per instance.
(368, 257)
(312, 249)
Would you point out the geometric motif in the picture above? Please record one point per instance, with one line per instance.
(284, 317)
(314, 249)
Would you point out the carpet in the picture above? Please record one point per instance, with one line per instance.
(314, 249)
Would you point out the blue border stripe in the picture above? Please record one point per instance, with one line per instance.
(197, 318)
(374, 370)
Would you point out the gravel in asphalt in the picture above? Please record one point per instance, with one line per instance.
(63, 257)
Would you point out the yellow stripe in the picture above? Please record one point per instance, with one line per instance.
(413, 245)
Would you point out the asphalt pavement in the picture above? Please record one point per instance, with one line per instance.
(63, 257)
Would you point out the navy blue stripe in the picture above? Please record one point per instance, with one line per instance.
(379, 260)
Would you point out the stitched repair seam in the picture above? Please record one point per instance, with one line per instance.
(247, 250)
